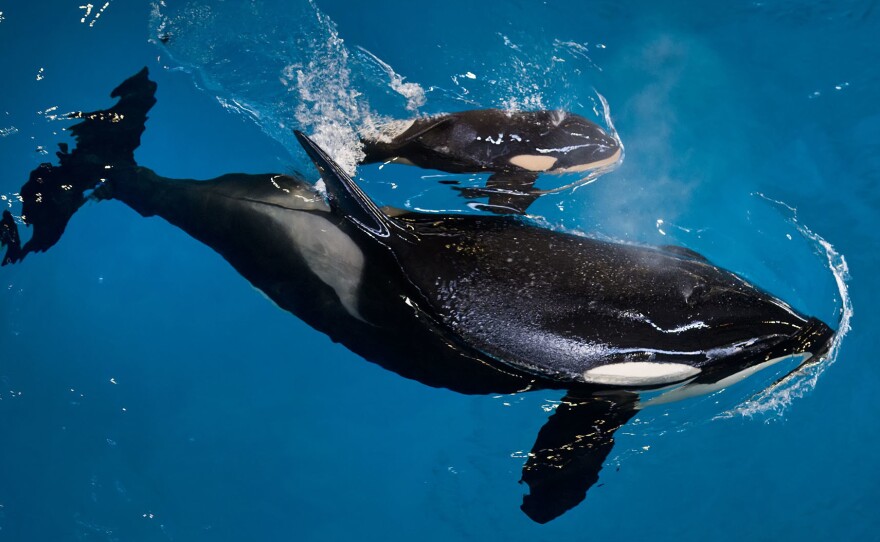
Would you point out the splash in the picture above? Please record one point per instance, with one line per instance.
(412, 92)
(284, 66)
(329, 106)
(774, 400)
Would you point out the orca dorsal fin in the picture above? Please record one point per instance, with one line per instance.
(419, 132)
(346, 197)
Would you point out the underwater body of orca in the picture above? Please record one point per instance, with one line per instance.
(473, 303)
(514, 146)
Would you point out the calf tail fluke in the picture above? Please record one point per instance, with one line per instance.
(105, 140)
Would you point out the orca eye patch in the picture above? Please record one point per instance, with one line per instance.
(533, 162)
(640, 373)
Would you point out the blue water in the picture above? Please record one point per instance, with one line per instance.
(147, 392)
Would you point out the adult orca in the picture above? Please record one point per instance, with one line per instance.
(515, 146)
(473, 303)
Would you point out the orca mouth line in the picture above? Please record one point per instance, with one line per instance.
(814, 338)
(817, 340)
(809, 344)
(812, 341)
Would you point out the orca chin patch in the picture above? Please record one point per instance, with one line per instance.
(590, 165)
(695, 390)
(640, 373)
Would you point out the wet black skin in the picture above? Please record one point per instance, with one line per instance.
(475, 304)
(485, 140)
(242, 218)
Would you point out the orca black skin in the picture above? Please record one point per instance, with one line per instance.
(475, 304)
(515, 146)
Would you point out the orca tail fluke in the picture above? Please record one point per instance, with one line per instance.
(105, 141)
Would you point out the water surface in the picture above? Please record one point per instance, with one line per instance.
(147, 392)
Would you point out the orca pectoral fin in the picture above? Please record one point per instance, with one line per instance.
(508, 192)
(346, 197)
(569, 451)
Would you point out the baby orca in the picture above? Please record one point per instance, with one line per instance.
(515, 146)
(473, 303)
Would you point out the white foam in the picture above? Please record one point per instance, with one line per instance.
(329, 108)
